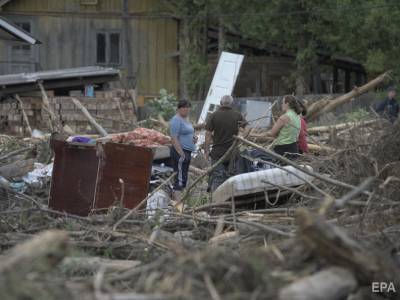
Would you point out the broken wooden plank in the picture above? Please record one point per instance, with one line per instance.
(329, 105)
(341, 126)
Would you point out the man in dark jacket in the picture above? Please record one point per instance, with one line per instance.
(389, 108)
(221, 126)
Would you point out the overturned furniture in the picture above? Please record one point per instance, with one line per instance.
(89, 177)
(260, 182)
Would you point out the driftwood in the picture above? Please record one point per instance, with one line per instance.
(17, 169)
(334, 245)
(319, 148)
(196, 171)
(326, 106)
(317, 106)
(330, 284)
(47, 107)
(303, 169)
(93, 264)
(231, 237)
(91, 120)
(22, 270)
(328, 128)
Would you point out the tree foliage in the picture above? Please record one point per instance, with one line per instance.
(366, 30)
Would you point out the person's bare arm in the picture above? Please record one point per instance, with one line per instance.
(199, 126)
(280, 123)
(177, 146)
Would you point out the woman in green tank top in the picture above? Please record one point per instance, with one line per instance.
(287, 128)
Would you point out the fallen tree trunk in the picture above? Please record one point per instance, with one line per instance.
(93, 264)
(24, 114)
(318, 109)
(328, 128)
(330, 284)
(317, 106)
(91, 120)
(318, 148)
(334, 245)
(22, 270)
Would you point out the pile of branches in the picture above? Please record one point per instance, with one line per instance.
(335, 236)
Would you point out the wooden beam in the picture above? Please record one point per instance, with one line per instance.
(24, 114)
(91, 120)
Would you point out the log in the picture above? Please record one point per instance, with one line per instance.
(91, 265)
(17, 169)
(22, 270)
(330, 284)
(91, 120)
(47, 107)
(196, 171)
(231, 237)
(328, 128)
(331, 105)
(335, 246)
(24, 114)
(319, 148)
(317, 106)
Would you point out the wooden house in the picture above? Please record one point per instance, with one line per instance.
(133, 36)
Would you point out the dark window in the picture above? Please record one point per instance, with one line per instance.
(114, 48)
(101, 48)
(108, 48)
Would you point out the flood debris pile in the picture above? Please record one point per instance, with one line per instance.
(331, 237)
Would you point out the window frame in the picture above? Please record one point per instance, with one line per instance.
(108, 34)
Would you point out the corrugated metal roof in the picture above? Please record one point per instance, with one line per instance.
(93, 71)
(13, 33)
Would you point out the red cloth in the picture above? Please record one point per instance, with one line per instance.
(143, 137)
(302, 142)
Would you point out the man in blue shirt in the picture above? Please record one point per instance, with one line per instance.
(389, 108)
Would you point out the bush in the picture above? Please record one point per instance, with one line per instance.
(165, 105)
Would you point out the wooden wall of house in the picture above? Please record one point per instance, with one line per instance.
(67, 30)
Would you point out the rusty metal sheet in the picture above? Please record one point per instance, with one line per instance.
(129, 163)
(74, 177)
